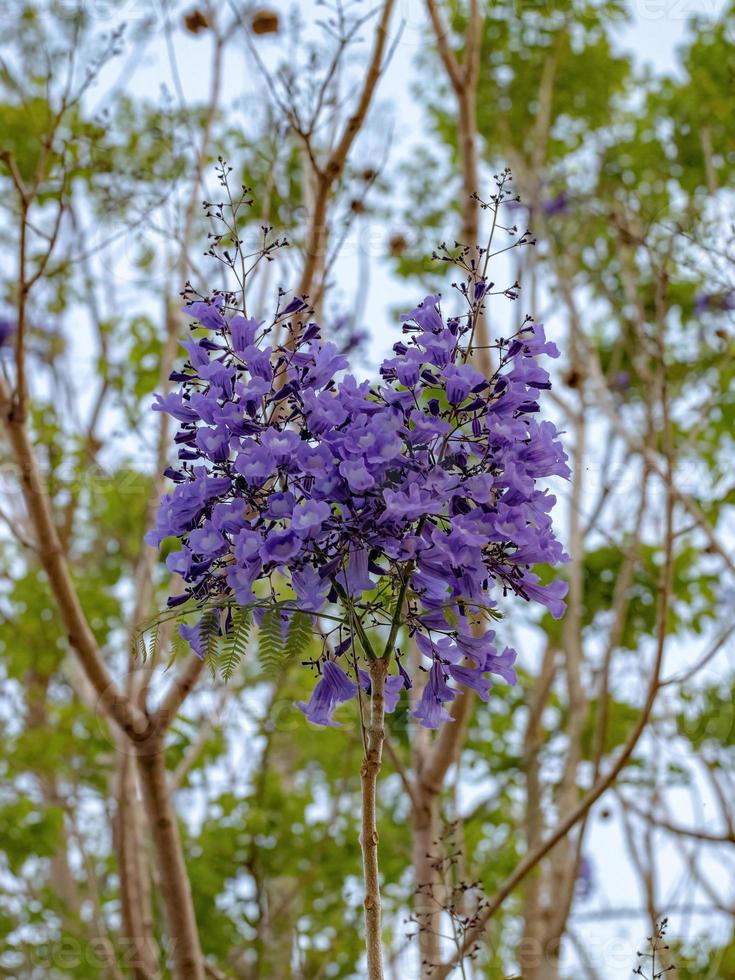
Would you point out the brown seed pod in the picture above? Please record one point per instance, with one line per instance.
(195, 21)
(397, 244)
(264, 22)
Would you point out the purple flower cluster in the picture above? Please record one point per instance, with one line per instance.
(413, 501)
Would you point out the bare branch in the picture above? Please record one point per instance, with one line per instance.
(54, 562)
(326, 176)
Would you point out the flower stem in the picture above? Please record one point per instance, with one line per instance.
(369, 835)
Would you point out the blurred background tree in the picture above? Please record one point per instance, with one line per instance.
(361, 132)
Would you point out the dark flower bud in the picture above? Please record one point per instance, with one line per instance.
(177, 600)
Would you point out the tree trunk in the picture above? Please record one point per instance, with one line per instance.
(186, 954)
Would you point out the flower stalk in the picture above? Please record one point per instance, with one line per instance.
(369, 834)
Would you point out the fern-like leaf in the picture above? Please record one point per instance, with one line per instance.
(137, 645)
(237, 642)
(271, 642)
(299, 636)
(209, 631)
(152, 647)
(179, 647)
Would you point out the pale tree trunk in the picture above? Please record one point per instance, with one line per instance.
(186, 955)
(135, 891)
(533, 941)
(427, 880)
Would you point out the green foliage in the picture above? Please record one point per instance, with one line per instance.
(30, 831)
(24, 128)
(703, 958)
(298, 637)
(707, 719)
(273, 641)
(236, 643)
(209, 630)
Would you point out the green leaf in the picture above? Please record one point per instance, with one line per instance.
(209, 630)
(299, 635)
(271, 646)
(237, 642)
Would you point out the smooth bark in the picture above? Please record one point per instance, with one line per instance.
(187, 962)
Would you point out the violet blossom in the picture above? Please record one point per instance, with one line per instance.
(425, 485)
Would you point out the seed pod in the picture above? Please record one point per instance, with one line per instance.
(397, 244)
(264, 22)
(195, 21)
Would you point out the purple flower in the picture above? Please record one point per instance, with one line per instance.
(309, 516)
(214, 443)
(310, 588)
(180, 562)
(551, 596)
(356, 474)
(325, 363)
(207, 313)
(717, 302)
(259, 362)
(313, 460)
(426, 314)
(333, 688)
(247, 546)
(242, 331)
(252, 391)
(355, 575)
(394, 684)
(585, 885)
(281, 445)
(207, 541)
(461, 380)
(559, 204)
(228, 516)
(280, 505)
(255, 463)
(405, 368)
(537, 343)
(193, 636)
(174, 405)
(430, 710)
(240, 580)
(409, 505)
(323, 411)
(7, 329)
(471, 677)
(279, 546)
(197, 354)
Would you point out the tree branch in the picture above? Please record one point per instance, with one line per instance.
(326, 177)
(369, 834)
(53, 560)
